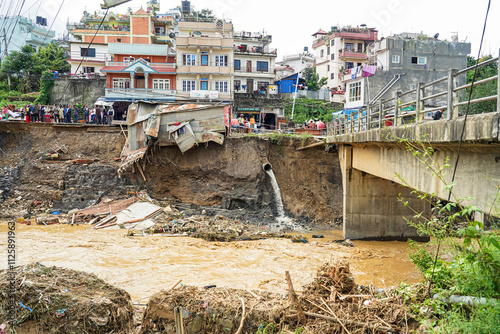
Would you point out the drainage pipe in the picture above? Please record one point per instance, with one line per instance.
(266, 166)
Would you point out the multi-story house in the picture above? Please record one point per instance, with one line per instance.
(139, 27)
(294, 63)
(401, 62)
(254, 62)
(204, 59)
(20, 30)
(340, 50)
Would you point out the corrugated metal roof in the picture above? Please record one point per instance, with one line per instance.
(138, 49)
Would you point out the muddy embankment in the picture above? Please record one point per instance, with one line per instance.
(211, 177)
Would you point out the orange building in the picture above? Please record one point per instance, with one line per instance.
(134, 51)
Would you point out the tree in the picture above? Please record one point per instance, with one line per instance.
(483, 90)
(51, 58)
(313, 81)
(19, 63)
(28, 63)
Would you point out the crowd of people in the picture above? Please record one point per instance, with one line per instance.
(59, 114)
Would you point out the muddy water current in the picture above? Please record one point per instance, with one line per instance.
(145, 265)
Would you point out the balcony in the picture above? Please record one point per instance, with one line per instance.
(255, 51)
(160, 66)
(253, 70)
(140, 49)
(99, 57)
(210, 68)
(209, 42)
(352, 54)
(253, 37)
(93, 27)
(204, 95)
(140, 94)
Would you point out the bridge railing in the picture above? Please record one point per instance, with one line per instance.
(394, 111)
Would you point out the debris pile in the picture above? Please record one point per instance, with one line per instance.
(64, 301)
(332, 303)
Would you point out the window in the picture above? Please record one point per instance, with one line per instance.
(322, 53)
(328, 50)
(189, 60)
(188, 85)
(221, 86)
(333, 56)
(355, 92)
(328, 68)
(359, 64)
(237, 84)
(237, 64)
(87, 52)
(88, 69)
(349, 65)
(395, 59)
(220, 60)
(262, 66)
(360, 47)
(121, 83)
(349, 47)
(263, 86)
(118, 40)
(419, 60)
(204, 59)
(128, 59)
(204, 85)
(332, 76)
(161, 84)
(332, 43)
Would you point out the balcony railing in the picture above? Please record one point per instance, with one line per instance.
(253, 69)
(140, 93)
(353, 54)
(241, 49)
(104, 27)
(100, 57)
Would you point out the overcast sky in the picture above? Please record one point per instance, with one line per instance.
(292, 22)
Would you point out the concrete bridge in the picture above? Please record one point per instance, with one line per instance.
(378, 168)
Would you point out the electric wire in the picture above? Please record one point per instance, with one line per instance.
(461, 136)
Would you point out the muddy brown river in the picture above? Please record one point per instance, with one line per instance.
(145, 265)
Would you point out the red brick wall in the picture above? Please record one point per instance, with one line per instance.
(140, 26)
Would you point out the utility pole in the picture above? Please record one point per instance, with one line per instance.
(6, 53)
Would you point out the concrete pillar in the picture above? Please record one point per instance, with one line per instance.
(132, 85)
(452, 97)
(146, 76)
(371, 207)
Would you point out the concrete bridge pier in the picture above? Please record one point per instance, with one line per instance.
(371, 207)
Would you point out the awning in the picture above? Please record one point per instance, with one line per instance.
(104, 103)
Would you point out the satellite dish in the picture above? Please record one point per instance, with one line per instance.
(171, 35)
(363, 25)
(436, 36)
(197, 33)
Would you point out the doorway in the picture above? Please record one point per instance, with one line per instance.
(140, 82)
(249, 85)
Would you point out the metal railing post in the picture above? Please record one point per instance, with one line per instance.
(452, 83)
(368, 118)
(418, 107)
(396, 107)
(380, 113)
(498, 83)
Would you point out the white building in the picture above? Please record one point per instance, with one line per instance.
(297, 62)
(94, 58)
(20, 31)
(340, 50)
(254, 62)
